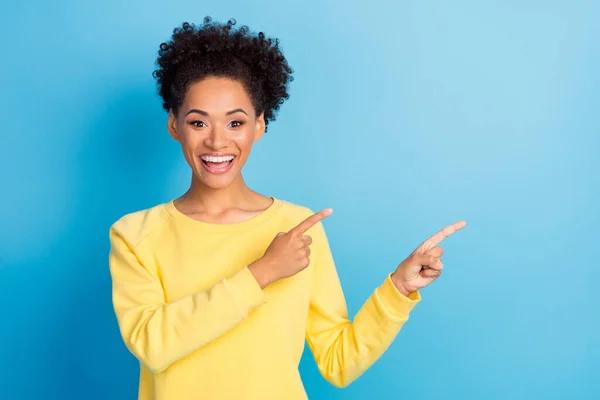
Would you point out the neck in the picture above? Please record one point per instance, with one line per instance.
(202, 197)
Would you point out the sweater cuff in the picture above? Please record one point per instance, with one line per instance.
(394, 302)
(245, 291)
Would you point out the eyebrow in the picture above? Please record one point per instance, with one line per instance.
(202, 112)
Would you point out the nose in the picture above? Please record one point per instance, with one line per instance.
(217, 138)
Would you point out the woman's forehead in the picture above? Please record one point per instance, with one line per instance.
(217, 95)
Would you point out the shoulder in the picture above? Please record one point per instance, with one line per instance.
(135, 226)
(296, 213)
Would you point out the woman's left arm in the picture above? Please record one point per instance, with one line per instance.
(344, 349)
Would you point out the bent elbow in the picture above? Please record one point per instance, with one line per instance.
(155, 367)
(337, 378)
(339, 383)
(155, 363)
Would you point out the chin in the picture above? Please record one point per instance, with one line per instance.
(216, 183)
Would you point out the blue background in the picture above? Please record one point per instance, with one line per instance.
(404, 117)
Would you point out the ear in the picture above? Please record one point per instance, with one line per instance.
(172, 125)
(260, 127)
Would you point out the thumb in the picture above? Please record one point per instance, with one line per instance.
(424, 260)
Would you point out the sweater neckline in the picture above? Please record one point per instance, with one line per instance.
(213, 227)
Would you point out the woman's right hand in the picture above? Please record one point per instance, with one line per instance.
(288, 253)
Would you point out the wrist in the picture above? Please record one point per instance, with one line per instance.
(260, 271)
(400, 285)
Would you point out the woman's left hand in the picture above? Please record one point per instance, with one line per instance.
(424, 265)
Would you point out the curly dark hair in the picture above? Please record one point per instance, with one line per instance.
(215, 49)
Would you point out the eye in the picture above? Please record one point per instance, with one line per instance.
(236, 124)
(198, 124)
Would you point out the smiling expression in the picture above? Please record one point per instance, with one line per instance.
(216, 126)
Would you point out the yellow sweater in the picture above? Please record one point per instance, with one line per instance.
(191, 312)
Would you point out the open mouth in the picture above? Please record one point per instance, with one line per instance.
(217, 164)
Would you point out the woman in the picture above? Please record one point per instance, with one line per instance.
(216, 291)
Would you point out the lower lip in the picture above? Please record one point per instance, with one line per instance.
(217, 170)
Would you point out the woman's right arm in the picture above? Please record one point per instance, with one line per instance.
(160, 333)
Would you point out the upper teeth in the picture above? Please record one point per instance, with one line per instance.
(217, 159)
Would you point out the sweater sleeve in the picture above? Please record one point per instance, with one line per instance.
(344, 349)
(159, 333)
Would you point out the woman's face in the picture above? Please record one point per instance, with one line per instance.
(216, 126)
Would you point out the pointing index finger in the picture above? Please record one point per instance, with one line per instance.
(311, 221)
(441, 235)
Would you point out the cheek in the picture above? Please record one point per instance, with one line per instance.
(189, 140)
(245, 139)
